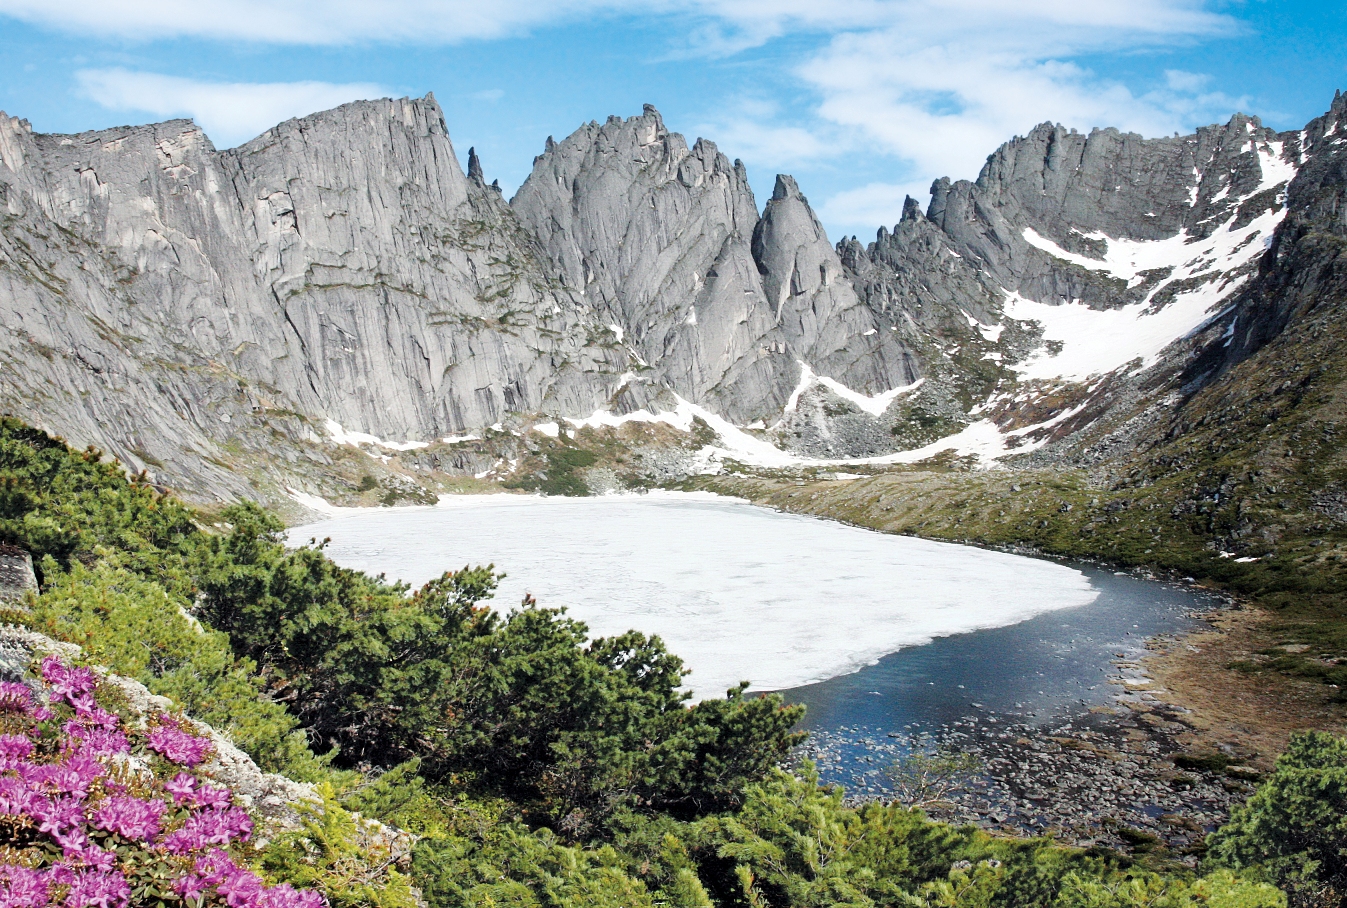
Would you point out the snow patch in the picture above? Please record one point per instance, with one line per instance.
(617, 332)
(1096, 341)
(875, 405)
(356, 439)
(739, 443)
(550, 429)
(990, 333)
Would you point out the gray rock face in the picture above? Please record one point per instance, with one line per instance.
(666, 242)
(1303, 267)
(816, 303)
(204, 314)
(161, 298)
(1070, 189)
(16, 574)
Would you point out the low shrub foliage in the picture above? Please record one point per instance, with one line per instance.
(529, 764)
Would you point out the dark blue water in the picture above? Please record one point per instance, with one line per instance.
(1041, 670)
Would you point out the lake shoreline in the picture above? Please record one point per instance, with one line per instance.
(1120, 785)
(1135, 775)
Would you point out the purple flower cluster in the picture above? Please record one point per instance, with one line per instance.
(210, 827)
(25, 888)
(186, 790)
(61, 782)
(73, 685)
(241, 888)
(130, 818)
(14, 697)
(177, 745)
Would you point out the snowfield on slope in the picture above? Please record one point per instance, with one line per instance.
(739, 592)
(1094, 341)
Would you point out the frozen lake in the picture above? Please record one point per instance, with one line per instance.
(739, 592)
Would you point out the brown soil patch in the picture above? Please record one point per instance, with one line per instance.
(1254, 713)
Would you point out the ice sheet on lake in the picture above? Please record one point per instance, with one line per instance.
(739, 592)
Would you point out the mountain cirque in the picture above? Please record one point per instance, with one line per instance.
(240, 321)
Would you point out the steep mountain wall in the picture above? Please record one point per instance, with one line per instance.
(226, 318)
(667, 242)
(164, 300)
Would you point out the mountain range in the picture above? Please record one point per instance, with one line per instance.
(238, 323)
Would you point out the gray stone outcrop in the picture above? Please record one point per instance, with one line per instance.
(17, 579)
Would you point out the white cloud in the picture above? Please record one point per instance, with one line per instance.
(1179, 80)
(751, 128)
(229, 112)
(721, 26)
(870, 205)
(308, 22)
(942, 95)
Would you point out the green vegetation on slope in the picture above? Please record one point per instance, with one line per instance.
(535, 767)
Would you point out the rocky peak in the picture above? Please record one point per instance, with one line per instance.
(338, 267)
(656, 234)
(787, 188)
(791, 248)
(1079, 192)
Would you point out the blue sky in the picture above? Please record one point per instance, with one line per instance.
(862, 100)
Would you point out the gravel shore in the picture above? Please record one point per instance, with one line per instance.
(1113, 776)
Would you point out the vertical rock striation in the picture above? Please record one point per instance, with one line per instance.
(339, 267)
(666, 241)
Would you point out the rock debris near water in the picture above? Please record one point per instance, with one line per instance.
(1096, 777)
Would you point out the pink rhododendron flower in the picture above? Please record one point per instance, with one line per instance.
(57, 815)
(98, 889)
(96, 717)
(68, 683)
(177, 745)
(14, 749)
(214, 866)
(213, 796)
(23, 888)
(16, 798)
(74, 776)
(190, 886)
(95, 742)
(130, 818)
(210, 827)
(181, 787)
(286, 896)
(240, 889)
(72, 840)
(14, 697)
(91, 856)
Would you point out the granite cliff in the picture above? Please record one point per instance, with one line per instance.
(241, 321)
(195, 311)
